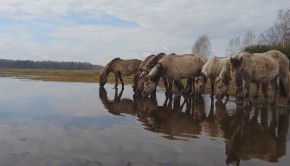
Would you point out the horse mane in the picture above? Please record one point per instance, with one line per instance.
(156, 72)
(108, 67)
(225, 73)
(113, 61)
(154, 61)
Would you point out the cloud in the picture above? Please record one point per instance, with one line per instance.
(97, 31)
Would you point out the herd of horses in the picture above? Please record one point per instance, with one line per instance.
(242, 68)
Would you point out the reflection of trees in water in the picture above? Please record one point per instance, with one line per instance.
(260, 134)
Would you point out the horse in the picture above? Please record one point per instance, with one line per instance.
(151, 63)
(119, 67)
(222, 84)
(141, 68)
(211, 71)
(260, 68)
(175, 67)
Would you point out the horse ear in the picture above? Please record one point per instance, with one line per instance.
(241, 59)
(231, 59)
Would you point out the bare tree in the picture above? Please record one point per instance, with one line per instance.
(234, 46)
(202, 46)
(262, 39)
(279, 33)
(283, 26)
(249, 39)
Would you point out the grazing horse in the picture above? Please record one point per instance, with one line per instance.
(175, 67)
(222, 84)
(119, 67)
(142, 67)
(260, 68)
(211, 71)
(145, 72)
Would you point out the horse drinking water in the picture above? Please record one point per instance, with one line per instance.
(175, 67)
(119, 67)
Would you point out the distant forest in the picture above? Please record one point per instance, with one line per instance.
(27, 64)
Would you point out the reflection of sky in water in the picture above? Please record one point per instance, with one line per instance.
(48, 123)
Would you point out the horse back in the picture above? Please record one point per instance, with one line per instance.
(145, 62)
(213, 66)
(183, 66)
(126, 67)
(263, 68)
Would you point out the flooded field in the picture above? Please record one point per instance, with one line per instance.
(51, 123)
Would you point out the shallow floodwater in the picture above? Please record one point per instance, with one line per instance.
(51, 123)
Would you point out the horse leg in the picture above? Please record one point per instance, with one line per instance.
(257, 90)
(274, 86)
(135, 82)
(121, 79)
(170, 81)
(189, 84)
(116, 79)
(165, 82)
(265, 89)
(180, 85)
(285, 83)
(247, 99)
(212, 81)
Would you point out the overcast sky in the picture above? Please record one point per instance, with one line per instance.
(96, 31)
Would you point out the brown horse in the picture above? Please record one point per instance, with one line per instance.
(175, 67)
(211, 71)
(145, 72)
(142, 67)
(260, 68)
(119, 67)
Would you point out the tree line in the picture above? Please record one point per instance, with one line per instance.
(28, 64)
(275, 37)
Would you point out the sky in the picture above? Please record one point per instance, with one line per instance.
(96, 31)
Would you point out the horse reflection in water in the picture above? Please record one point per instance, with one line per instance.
(119, 105)
(260, 134)
(171, 120)
(251, 139)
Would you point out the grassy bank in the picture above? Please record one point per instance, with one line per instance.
(62, 75)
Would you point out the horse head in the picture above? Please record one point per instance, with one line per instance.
(236, 72)
(149, 86)
(222, 88)
(199, 85)
(141, 81)
(103, 80)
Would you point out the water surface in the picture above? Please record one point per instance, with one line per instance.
(51, 123)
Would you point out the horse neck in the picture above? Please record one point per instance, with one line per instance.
(106, 71)
(225, 73)
(156, 72)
